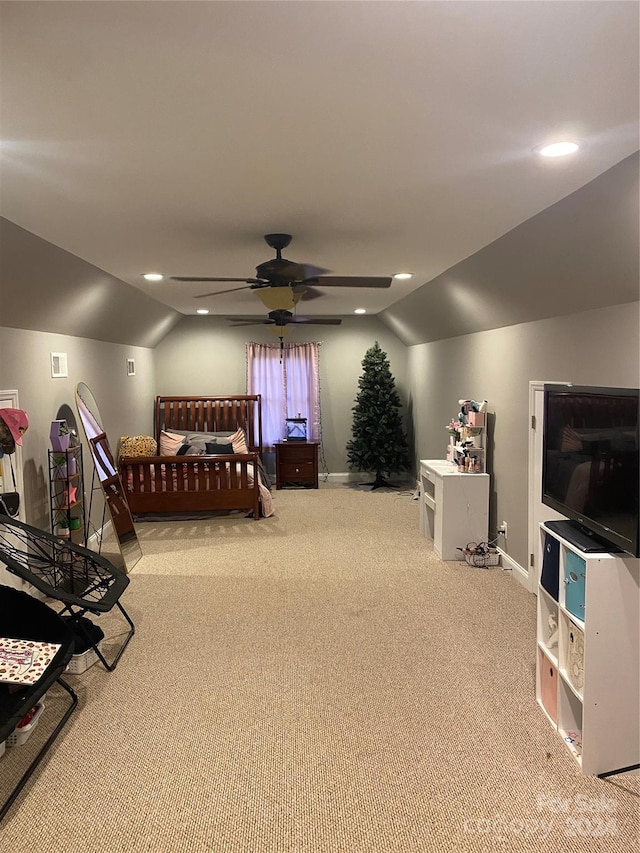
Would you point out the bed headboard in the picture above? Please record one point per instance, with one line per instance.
(212, 414)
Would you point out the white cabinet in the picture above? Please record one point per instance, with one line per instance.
(588, 655)
(454, 507)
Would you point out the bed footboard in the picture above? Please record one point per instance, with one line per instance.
(174, 484)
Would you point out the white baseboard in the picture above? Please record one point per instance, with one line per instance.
(519, 573)
(349, 477)
(344, 477)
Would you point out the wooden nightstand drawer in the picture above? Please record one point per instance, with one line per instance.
(298, 452)
(296, 472)
(297, 463)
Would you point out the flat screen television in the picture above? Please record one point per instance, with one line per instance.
(591, 467)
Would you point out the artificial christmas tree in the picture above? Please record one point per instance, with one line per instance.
(379, 444)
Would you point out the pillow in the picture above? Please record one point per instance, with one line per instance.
(187, 432)
(137, 445)
(189, 450)
(208, 436)
(201, 441)
(214, 448)
(239, 441)
(169, 443)
(237, 438)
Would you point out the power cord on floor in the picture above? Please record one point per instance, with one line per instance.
(408, 493)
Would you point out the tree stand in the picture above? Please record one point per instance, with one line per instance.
(379, 483)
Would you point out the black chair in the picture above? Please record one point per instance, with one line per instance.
(23, 617)
(82, 580)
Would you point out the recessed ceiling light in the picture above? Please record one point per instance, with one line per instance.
(202, 310)
(360, 311)
(153, 276)
(403, 275)
(559, 149)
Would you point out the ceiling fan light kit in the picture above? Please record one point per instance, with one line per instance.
(279, 298)
(280, 331)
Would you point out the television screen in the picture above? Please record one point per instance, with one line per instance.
(590, 469)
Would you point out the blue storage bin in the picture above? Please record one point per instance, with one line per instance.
(575, 574)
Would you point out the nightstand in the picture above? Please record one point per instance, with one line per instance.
(297, 463)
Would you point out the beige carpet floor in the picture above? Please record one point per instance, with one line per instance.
(315, 681)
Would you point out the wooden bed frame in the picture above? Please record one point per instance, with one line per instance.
(171, 485)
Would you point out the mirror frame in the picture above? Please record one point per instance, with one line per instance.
(109, 477)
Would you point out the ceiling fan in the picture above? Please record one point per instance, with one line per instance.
(281, 318)
(281, 322)
(299, 278)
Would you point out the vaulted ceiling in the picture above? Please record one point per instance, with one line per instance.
(384, 136)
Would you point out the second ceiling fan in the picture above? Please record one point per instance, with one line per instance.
(279, 272)
(281, 318)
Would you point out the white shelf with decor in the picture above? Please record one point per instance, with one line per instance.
(454, 492)
(588, 653)
(454, 507)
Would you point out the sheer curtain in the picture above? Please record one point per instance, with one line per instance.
(289, 383)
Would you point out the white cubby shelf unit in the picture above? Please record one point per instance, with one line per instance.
(588, 653)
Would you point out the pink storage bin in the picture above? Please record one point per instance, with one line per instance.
(476, 419)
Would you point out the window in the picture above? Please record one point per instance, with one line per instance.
(288, 381)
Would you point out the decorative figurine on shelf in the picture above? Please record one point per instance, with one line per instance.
(466, 437)
(70, 496)
(64, 465)
(455, 427)
(467, 406)
(60, 436)
(61, 529)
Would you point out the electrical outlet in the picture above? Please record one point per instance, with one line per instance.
(502, 530)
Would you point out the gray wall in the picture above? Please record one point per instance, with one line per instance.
(125, 401)
(600, 347)
(581, 253)
(48, 289)
(204, 355)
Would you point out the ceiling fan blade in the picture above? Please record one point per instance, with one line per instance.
(252, 323)
(204, 278)
(349, 281)
(311, 271)
(307, 293)
(220, 292)
(299, 322)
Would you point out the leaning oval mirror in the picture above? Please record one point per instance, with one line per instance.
(109, 478)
